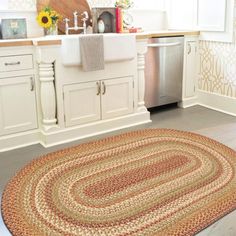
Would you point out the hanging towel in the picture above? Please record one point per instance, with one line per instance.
(92, 52)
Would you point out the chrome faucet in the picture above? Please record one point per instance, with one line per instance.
(76, 27)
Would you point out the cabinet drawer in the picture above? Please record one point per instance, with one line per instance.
(13, 63)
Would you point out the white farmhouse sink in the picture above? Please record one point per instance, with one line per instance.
(117, 47)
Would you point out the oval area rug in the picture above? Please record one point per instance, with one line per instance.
(149, 182)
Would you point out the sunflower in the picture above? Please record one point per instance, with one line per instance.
(44, 19)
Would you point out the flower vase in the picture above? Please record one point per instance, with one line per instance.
(52, 30)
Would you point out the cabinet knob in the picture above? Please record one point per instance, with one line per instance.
(98, 88)
(104, 88)
(12, 63)
(31, 84)
(189, 48)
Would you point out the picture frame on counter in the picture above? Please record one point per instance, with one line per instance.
(14, 28)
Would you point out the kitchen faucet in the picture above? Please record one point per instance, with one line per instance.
(76, 27)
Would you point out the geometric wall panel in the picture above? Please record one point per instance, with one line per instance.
(217, 66)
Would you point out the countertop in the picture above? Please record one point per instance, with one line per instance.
(53, 40)
(165, 33)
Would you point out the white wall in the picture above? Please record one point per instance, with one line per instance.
(149, 19)
(149, 4)
(4, 4)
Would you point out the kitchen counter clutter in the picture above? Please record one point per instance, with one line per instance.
(55, 40)
(65, 102)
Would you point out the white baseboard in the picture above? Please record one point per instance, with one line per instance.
(212, 101)
(188, 102)
(93, 129)
(48, 139)
(23, 139)
(217, 102)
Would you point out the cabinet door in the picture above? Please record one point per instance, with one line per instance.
(117, 97)
(81, 103)
(190, 68)
(17, 105)
(181, 14)
(209, 19)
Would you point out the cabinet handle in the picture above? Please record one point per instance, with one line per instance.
(104, 88)
(98, 88)
(189, 48)
(31, 84)
(12, 63)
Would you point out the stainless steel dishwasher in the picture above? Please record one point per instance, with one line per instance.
(164, 71)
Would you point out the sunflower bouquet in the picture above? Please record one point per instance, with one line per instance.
(48, 18)
(124, 4)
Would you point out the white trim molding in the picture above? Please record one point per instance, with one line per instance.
(217, 102)
(188, 102)
(19, 140)
(83, 131)
(212, 101)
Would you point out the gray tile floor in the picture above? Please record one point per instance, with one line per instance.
(196, 119)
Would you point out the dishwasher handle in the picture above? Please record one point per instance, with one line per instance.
(159, 45)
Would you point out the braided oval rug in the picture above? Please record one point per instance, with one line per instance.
(149, 182)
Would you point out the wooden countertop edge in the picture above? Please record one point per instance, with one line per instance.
(58, 41)
(166, 34)
(30, 43)
(16, 43)
(48, 42)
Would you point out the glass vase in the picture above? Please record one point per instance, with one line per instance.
(53, 30)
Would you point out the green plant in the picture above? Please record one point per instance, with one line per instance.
(124, 4)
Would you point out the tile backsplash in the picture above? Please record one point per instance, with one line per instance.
(31, 4)
(22, 4)
(101, 3)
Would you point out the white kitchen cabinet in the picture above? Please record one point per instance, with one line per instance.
(190, 71)
(17, 105)
(82, 103)
(211, 15)
(117, 97)
(16, 63)
(181, 14)
(205, 15)
(214, 18)
(98, 100)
